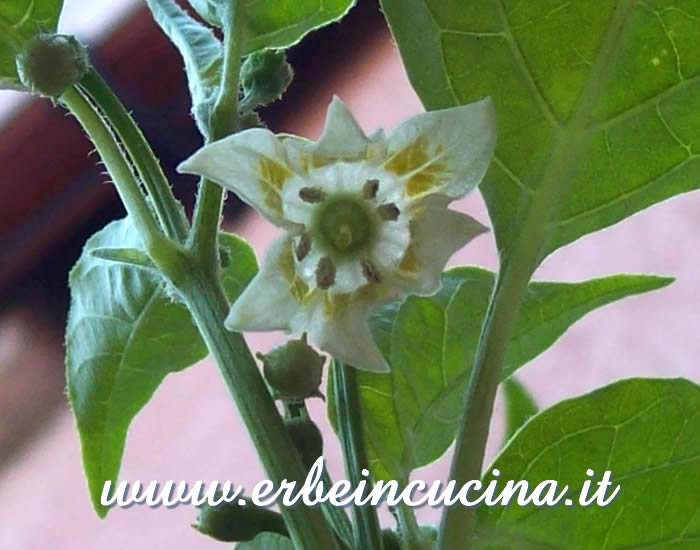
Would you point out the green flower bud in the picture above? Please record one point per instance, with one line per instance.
(51, 63)
(233, 522)
(294, 370)
(265, 75)
(307, 439)
(390, 540)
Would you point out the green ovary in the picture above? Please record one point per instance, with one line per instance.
(345, 225)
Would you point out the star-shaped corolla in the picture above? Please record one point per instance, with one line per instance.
(366, 218)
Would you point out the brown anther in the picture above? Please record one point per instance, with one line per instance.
(325, 273)
(388, 212)
(370, 271)
(369, 191)
(303, 247)
(311, 194)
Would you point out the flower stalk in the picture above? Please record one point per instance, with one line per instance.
(156, 244)
(206, 302)
(166, 206)
(208, 306)
(368, 533)
(224, 121)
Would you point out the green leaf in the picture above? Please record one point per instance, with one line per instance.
(20, 21)
(277, 23)
(124, 335)
(609, 89)
(644, 431)
(201, 51)
(209, 10)
(267, 541)
(520, 406)
(412, 413)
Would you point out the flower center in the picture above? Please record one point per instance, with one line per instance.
(345, 224)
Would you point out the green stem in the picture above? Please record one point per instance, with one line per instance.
(368, 534)
(411, 537)
(166, 206)
(458, 523)
(208, 306)
(336, 516)
(113, 159)
(223, 121)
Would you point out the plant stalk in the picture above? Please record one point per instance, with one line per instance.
(224, 120)
(368, 534)
(166, 206)
(208, 306)
(459, 523)
(411, 537)
(118, 168)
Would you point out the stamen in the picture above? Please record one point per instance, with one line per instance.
(325, 273)
(370, 271)
(303, 247)
(388, 212)
(311, 194)
(369, 191)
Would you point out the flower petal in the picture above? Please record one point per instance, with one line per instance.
(268, 302)
(392, 241)
(252, 164)
(436, 234)
(342, 137)
(445, 151)
(346, 335)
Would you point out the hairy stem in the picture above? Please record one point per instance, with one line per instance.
(336, 516)
(208, 305)
(224, 121)
(166, 206)
(368, 534)
(120, 171)
(411, 537)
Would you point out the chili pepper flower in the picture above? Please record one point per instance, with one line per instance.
(366, 218)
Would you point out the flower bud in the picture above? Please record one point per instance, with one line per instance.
(307, 439)
(49, 64)
(265, 75)
(233, 522)
(293, 370)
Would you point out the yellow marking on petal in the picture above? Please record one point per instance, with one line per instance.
(297, 286)
(273, 200)
(336, 305)
(421, 168)
(273, 176)
(305, 162)
(409, 263)
(273, 172)
(374, 152)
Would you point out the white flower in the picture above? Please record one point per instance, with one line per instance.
(366, 218)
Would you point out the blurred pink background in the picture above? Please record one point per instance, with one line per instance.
(191, 430)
